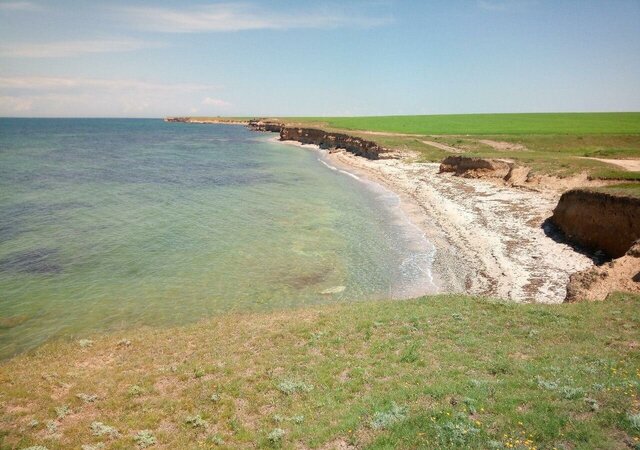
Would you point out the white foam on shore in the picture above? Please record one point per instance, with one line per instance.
(340, 170)
(417, 266)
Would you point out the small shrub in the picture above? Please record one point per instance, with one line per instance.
(98, 446)
(634, 421)
(277, 418)
(382, 419)
(571, 393)
(290, 387)
(470, 404)
(546, 384)
(297, 419)
(457, 316)
(34, 423)
(195, 421)
(593, 404)
(215, 397)
(52, 427)
(86, 398)
(135, 390)
(100, 429)
(124, 343)
(457, 433)
(62, 411)
(199, 373)
(276, 435)
(216, 439)
(85, 343)
(145, 438)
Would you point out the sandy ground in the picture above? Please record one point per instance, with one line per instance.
(446, 148)
(500, 145)
(489, 238)
(632, 165)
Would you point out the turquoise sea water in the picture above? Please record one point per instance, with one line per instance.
(107, 224)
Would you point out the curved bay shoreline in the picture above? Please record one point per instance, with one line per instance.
(490, 239)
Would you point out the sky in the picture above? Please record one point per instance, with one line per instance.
(136, 58)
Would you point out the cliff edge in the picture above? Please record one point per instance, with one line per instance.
(599, 220)
(596, 283)
(328, 140)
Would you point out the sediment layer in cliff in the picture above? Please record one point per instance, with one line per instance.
(470, 167)
(265, 125)
(328, 140)
(598, 220)
(596, 283)
(207, 120)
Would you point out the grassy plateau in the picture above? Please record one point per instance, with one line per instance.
(487, 124)
(435, 372)
(558, 144)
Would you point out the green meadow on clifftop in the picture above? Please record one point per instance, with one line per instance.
(550, 143)
(478, 124)
(435, 372)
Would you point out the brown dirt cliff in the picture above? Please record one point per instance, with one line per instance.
(598, 220)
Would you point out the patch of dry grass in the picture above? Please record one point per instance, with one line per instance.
(436, 372)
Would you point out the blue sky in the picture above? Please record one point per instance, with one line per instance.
(154, 58)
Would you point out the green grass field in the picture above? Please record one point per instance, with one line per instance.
(555, 143)
(436, 372)
(491, 124)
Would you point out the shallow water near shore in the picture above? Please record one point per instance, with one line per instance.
(108, 224)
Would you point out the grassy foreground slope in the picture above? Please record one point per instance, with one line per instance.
(436, 372)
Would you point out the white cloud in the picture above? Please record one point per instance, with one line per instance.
(19, 6)
(503, 5)
(209, 101)
(64, 49)
(61, 83)
(16, 104)
(239, 16)
(62, 97)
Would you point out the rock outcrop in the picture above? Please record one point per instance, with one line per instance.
(207, 120)
(328, 140)
(598, 220)
(265, 125)
(470, 167)
(596, 283)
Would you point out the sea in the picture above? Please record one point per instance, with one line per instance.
(110, 224)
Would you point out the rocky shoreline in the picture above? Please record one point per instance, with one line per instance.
(494, 239)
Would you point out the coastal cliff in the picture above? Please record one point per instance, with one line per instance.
(207, 120)
(476, 167)
(265, 125)
(598, 282)
(599, 220)
(328, 140)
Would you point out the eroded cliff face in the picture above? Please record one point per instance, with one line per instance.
(477, 167)
(596, 283)
(265, 125)
(327, 140)
(599, 221)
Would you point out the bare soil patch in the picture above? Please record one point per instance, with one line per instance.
(632, 165)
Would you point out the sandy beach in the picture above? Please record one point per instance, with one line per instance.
(489, 238)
